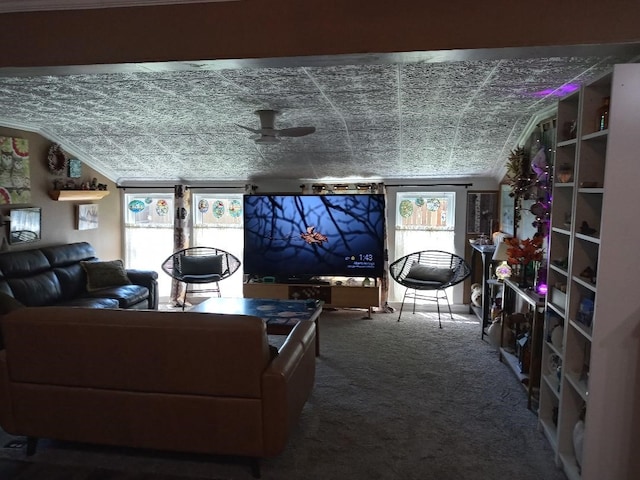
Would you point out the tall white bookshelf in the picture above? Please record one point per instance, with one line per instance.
(594, 228)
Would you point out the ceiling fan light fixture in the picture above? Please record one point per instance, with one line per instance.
(267, 133)
(266, 140)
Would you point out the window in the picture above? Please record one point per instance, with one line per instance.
(425, 211)
(424, 221)
(148, 234)
(217, 222)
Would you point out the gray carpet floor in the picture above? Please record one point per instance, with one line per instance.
(392, 400)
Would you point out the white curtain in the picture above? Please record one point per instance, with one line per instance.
(149, 234)
(181, 230)
(409, 241)
(218, 223)
(229, 239)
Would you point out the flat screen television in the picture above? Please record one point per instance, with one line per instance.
(301, 237)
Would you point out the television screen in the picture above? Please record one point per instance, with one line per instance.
(302, 236)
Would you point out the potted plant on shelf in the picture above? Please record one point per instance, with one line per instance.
(526, 257)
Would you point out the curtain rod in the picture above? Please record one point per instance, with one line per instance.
(156, 187)
(465, 185)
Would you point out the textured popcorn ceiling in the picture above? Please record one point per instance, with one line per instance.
(413, 119)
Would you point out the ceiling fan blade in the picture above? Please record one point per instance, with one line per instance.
(252, 130)
(295, 131)
(267, 133)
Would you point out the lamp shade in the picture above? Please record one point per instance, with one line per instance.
(500, 253)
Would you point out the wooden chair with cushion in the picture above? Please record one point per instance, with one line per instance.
(426, 276)
(200, 266)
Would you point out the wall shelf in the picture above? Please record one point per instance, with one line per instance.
(77, 195)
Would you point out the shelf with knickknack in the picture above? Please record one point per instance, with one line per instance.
(591, 279)
(72, 191)
(67, 186)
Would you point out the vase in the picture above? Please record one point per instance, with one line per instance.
(521, 274)
(524, 275)
(522, 281)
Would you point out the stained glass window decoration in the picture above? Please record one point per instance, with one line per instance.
(433, 204)
(223, 210)
(235, 208)
(203, 206)
(162, 207)
(406, 208)
(425, 210)
(136, 206)
(218, 208)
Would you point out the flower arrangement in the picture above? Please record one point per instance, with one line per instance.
(523, 252)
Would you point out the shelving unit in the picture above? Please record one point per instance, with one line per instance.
(526, 366)
(587, 265)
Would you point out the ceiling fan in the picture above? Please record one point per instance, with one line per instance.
(267, 133)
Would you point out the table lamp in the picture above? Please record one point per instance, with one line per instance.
(503, 270)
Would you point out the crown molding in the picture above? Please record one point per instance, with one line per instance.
(11, 6)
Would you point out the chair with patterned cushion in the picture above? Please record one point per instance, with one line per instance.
(426, 276)
(200, 266)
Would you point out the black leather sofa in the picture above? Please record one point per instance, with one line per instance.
(53, 275)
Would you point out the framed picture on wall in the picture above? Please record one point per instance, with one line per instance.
(507, 211)
(75, 168)
(25, 225)
(481, 212)
(87, 216)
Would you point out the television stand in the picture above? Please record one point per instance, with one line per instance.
(302, 281)
(333, 296)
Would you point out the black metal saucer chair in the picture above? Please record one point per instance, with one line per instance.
(199, 266)
(427, 274)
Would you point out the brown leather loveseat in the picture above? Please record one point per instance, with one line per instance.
(180, 381)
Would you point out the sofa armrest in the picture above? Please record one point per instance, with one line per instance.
(286, 385)
(149, 279)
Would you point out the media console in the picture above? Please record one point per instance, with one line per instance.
(333, 296)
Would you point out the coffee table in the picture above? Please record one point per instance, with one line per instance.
(280, 316)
